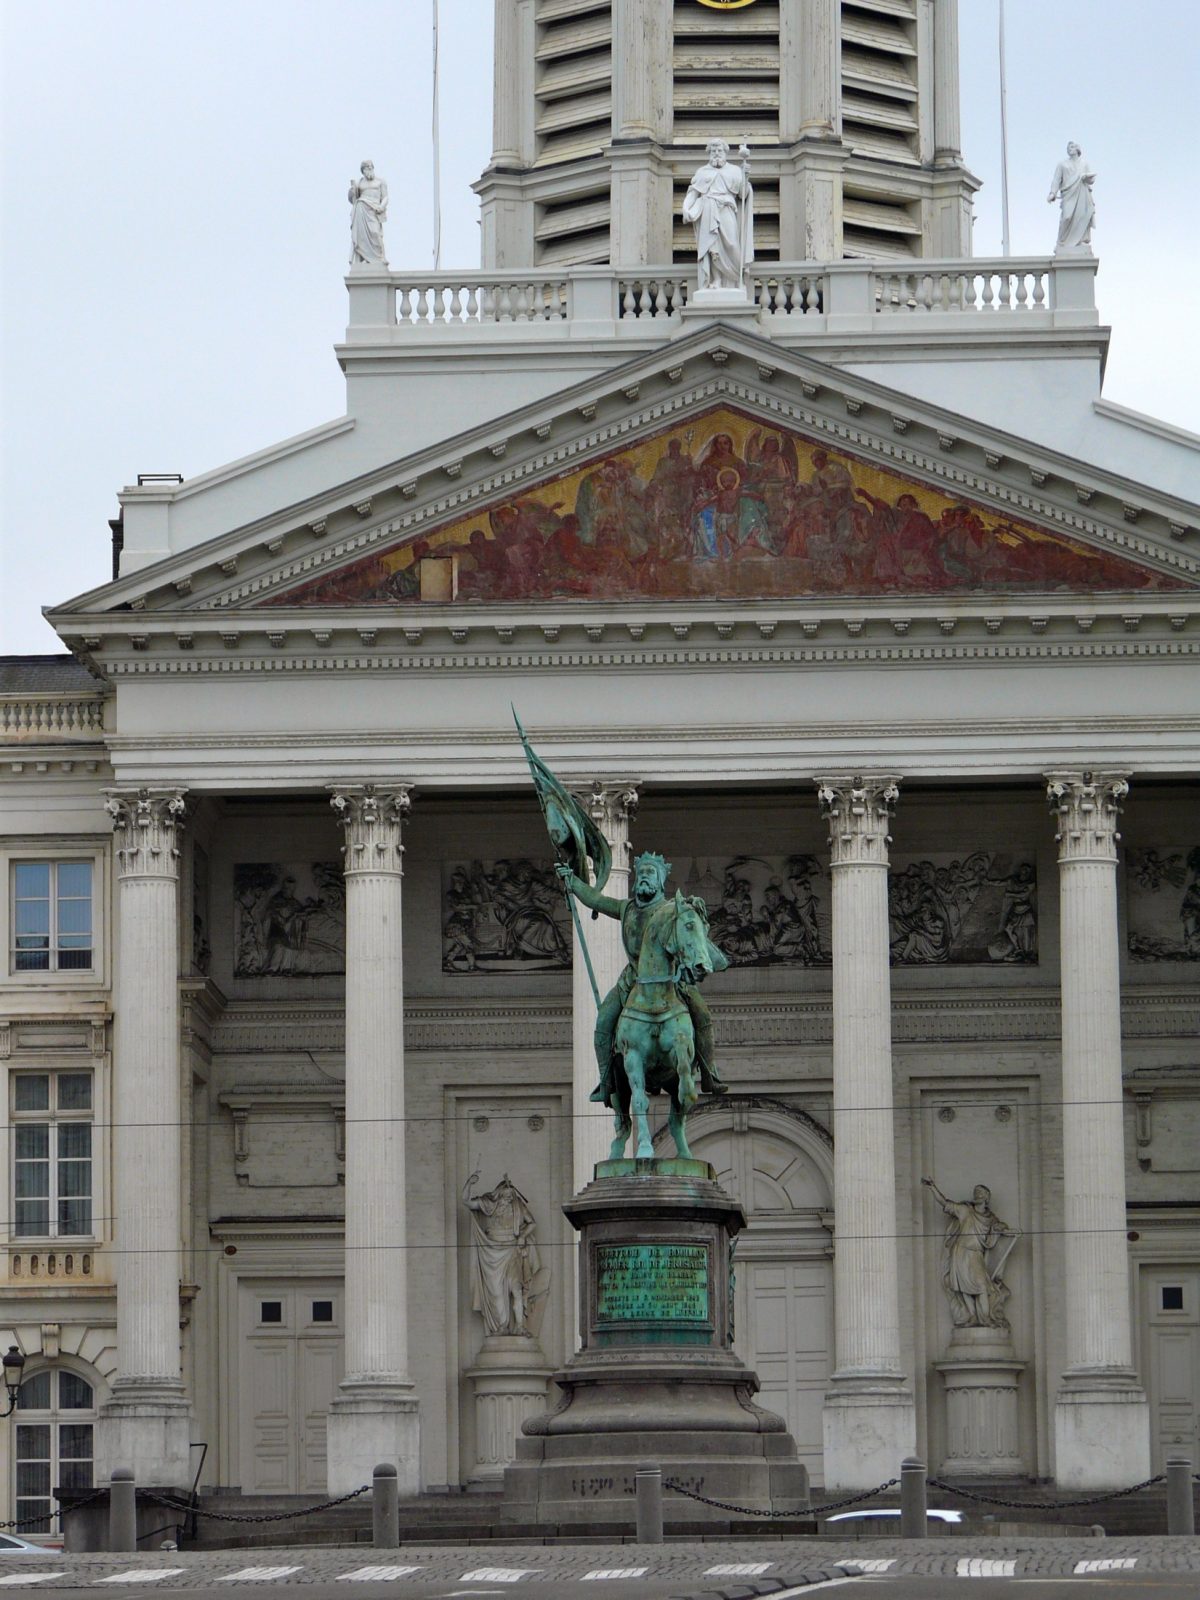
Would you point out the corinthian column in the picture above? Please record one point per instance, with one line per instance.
(869, 1418)
(146, 1424)
(611, 805)
(374, 1416)
(1101, 1419)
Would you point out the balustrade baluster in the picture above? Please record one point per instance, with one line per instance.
(989, 297)
(505, 304)
(1022, 291)
(405, 312)
(455, 304)
(422, 304)
(472, 304)
(1039, 290)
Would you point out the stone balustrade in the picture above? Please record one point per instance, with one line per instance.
(32, 718)
(803, 300)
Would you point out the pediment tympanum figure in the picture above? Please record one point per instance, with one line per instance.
(717, 506)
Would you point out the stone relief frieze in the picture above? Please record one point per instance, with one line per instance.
(289, 920)
(506, 916)
(201, 938)
(764, 910)
(974, 910)
(1163, 888)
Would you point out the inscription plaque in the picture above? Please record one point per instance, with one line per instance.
(652, 1283)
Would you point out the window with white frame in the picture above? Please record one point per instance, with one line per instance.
(52, 921)
(51, 1116)
(56, 1412)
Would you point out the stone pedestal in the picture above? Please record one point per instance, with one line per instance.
(981, 1372)
(703, 304)
(509, 1378)
(655, 1378)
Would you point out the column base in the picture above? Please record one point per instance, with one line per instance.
(370, 1424)
(981, 1374)
(146, 1428)
(509, 1377)
(870, 1426)
(1101, 1431)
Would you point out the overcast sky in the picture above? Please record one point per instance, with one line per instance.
(175, 221)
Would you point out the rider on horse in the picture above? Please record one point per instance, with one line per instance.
(650, 873)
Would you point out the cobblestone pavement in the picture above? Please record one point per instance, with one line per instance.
(743, 1568)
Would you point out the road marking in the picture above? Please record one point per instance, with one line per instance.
(813, 1588)
(985, 1567)
(739, 1569)
(870, 1566)
(375, 1574)
(1107, 1564)
(143, 1575)
(616, 1572)
(497, 1574)
(256, 1574)
(30, 1577)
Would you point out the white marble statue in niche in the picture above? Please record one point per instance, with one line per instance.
(507, 1280)
(1072, 185)
(720, 206)
(974, 1284)
(368, 198)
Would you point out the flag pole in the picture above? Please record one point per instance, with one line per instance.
(1004, 237)
(437, 153)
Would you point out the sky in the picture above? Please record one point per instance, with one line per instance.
(175, 228)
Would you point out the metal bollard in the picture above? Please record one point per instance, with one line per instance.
(122, 1510)
(914, 1520)
(1181, 1506)
(649, 1492)
(385, 1507)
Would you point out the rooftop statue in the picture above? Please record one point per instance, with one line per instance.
(974, 1286)
(1072, 184)
(369, 197)
(720, 206)
(653, 1031)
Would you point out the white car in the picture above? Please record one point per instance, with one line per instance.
(10, 1545)
(889, 1512)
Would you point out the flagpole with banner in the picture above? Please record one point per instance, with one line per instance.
(577, 840)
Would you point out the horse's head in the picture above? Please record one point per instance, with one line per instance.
(688, 942)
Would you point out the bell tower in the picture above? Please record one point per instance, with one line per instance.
(603, 109)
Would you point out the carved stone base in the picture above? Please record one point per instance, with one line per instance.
(1101, 1431)
(145, 1427)
(509, 1378)
(655, 1378)
(981, 1372)
(369, 1423)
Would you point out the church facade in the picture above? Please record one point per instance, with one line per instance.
(857, 601)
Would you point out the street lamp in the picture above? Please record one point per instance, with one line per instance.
(14, 1365)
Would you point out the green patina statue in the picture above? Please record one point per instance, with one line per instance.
(653, 1031)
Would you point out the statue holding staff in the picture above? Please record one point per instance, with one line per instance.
(720, 206)
(975, 1288)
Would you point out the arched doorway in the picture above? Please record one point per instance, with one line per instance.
(779, 1163)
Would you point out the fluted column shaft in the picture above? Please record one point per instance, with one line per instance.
(375, 1397)
(1096, 1299)
(612, 806)
(148, 1411)
(869, 1420)
(810, 70)
(946, 135)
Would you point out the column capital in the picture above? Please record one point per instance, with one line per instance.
(372, 816)
(1086, 807)
(146, 823)
(858, 811)
(611, 802)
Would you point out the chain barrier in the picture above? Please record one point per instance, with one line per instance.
(1046, 1505)
(753, 1511)
(233, 1516)
(28, 1522)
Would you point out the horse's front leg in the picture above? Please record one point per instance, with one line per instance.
(621, 1130)
(639, 1105)
(685, 1095)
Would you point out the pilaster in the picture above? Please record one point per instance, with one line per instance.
(145, 1425)
(374, 1416)
(1101, 1415)
(869, 1418)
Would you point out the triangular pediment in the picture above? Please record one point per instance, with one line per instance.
(722, 505)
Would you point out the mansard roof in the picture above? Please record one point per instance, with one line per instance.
(272, 577)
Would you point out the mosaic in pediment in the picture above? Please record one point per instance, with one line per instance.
(721, 506)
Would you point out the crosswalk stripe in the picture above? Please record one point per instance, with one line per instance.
(739, 1569)
(1107, 1564)
(616, 1572)
(375, 1574)
(143, 1575)
(985, 1567)
(497, 1574)
(252, 1574)
(29, 1577)
(870, 1566)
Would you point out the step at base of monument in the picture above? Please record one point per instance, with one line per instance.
(586, 1479)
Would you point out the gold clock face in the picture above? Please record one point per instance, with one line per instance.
(726, 5)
